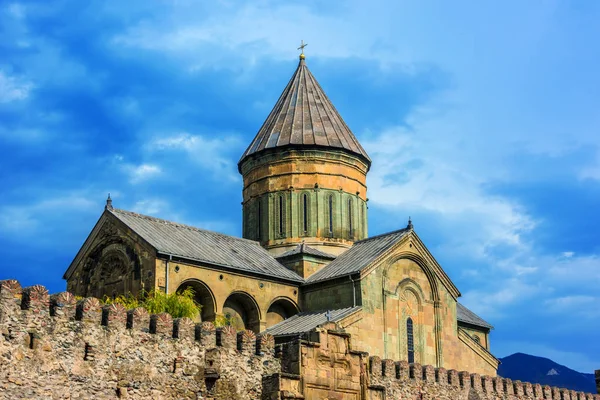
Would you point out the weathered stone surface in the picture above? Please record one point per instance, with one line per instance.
(55, 355)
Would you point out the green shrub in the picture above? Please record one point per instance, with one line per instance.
(179, 305)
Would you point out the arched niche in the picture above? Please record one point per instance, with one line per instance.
(203, 296)
(280, 309)
(242, 312)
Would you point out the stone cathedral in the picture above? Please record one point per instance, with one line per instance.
(305, 258)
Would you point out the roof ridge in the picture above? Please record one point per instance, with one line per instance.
(381, 235)
(179, 225)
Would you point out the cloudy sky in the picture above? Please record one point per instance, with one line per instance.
(481, 119)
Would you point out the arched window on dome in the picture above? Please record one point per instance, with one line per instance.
(259, 222)
(350, 218)
(281, 224)
(330, 207)
(305, 213)
(410, 341)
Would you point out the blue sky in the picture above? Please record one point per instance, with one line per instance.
(481, 119)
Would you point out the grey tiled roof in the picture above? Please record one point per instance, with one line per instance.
(306, 249)
(463, 314)
(205, 246)
(307, 321)
(359, 256)
(304, 116)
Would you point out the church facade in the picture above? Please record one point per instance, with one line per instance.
(305, 258)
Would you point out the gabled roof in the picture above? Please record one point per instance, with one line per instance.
(304, 116)
(307, 321)
(359, 256)
(463, 314)
(205, 246)
(306, 249)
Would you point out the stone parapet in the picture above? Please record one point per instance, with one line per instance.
(57, 347)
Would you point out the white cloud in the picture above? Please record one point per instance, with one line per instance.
(13, 88)
(142, 172)
(213, 154)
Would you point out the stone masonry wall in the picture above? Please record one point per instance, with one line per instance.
(54, 347)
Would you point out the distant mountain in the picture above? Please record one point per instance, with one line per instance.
(540, 370)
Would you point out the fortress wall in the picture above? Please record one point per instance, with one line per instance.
(55, 347)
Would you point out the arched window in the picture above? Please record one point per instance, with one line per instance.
(410, 340)
(330, 214)
(350, 218)
(259, 224)
(305, 212)
(477, 339)
(281, 219)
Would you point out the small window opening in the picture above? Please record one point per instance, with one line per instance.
(410, 340)
(350, 217)
(305, 212)
(281, 215)
(330, 214)
(259, 224)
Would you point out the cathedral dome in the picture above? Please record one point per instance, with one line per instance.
(304, 174)
(304, 117)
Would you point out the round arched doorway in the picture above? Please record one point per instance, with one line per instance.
(242, 312)
(279, 310)
(202, 296)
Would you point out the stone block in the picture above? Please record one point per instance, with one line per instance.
(453, 378)
(161, 324)
(184, 328)
(265, 344)
(555, 393)
(227, 337)
(138, 319)
(36, 299)
(518, 385)
(62, 305)
(488, 384)
(114, 316)
(476, 382)
(416, 372)
(429, 374)
(509, 388)
(403, 370)
(498, 385)
(465, 379)
(246, 342)
(206, 334)
(89, 311)
(388, 369)
(375, 368)
(441, 376)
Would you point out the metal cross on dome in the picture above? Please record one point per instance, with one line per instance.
(302, 46)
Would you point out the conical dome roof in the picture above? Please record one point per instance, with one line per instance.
(304, 117)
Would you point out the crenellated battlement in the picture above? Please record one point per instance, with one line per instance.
(111, 351)
(486, 387)
(54, 346)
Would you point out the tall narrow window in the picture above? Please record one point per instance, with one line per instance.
(350, 217)
(410, 340)
(305, 212)
(331, 214)
(259, 224)
(281, 215)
